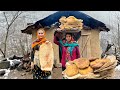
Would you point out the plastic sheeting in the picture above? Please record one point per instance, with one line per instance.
(87, 20)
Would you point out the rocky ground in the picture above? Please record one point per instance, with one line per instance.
(22, 66)
(117, 75)
(14, 74)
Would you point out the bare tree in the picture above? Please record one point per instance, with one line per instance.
(25, 44)
(118, 38)
(117, 22)
(15, 16)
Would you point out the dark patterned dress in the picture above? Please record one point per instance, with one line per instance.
(37, 72)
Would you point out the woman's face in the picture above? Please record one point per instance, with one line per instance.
(68, 37)
(40, 34)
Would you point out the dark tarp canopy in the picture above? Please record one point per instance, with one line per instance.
(87, 20)
(54, 18)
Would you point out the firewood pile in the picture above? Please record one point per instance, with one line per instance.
(118, 58)
(90, 68)
(15, 57)
(25, 63)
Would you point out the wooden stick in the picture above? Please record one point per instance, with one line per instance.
(85, 45)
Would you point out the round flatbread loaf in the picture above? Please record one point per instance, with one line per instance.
(71, 70)
(46, 56)
(98, 63)
(82, 63)
(86, 71)
(92, 59)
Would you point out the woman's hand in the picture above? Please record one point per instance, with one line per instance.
(58, 29)
(74, 42)
(47, 42)
(59, 34)
(32, 65)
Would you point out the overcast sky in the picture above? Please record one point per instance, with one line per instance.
(99, 15)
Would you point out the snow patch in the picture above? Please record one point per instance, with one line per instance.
(117, 68)
(12, 61)
(7, 71)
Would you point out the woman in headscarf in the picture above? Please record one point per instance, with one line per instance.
(42, 56)
(69, 48)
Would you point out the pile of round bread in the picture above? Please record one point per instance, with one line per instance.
(70, 23)
(83, 68)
